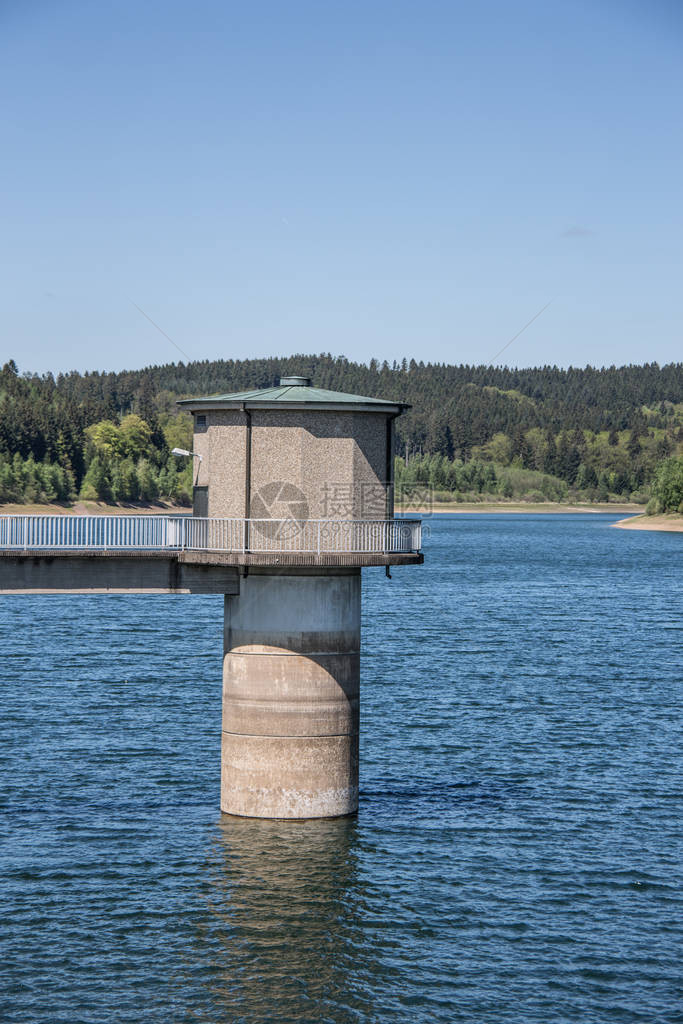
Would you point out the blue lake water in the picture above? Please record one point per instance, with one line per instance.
(517, 855)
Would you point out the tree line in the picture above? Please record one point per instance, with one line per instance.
(594, 432)
(667, 487)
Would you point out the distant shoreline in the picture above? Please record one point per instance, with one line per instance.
(98, 508)
(134, 508)
(670, 523)
(140, 508)
(518, 508)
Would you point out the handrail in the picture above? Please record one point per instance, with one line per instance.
(192, 533)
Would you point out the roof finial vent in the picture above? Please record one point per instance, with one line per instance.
(296, 382)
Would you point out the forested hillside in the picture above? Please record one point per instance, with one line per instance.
(473, 430)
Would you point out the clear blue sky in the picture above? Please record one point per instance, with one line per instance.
(378, 178)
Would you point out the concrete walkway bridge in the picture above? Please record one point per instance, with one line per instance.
(185, 554)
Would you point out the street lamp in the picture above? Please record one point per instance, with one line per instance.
(181, 451)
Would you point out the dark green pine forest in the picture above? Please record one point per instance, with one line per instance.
(474, 432)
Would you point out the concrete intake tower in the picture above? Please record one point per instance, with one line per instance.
(311, 473)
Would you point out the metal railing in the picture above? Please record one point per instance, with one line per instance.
(190, 533)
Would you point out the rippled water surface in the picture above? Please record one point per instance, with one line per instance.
(517, 855)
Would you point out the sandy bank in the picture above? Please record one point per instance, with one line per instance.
(673, 523)
(519, 508)
(94, 508)
(97, 508)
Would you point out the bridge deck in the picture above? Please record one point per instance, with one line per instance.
(169, 554)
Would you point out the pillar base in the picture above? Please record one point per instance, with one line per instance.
(289, 776)
(291, 675)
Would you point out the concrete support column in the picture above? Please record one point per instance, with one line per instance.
(291, 673)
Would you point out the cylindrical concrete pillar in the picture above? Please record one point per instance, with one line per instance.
(291, 673)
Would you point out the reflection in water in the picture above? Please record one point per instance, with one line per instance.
(284, 902)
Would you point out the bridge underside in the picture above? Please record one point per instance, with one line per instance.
(349, 559)
(162, 572)
(118, 572)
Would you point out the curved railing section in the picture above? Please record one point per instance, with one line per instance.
(190, 533)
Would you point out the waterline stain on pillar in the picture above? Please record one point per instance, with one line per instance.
(291, 673)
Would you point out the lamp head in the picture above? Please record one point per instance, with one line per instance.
(182, 451)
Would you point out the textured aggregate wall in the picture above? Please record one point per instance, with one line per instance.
(335, 460)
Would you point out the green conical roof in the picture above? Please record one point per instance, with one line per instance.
(298, 394)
